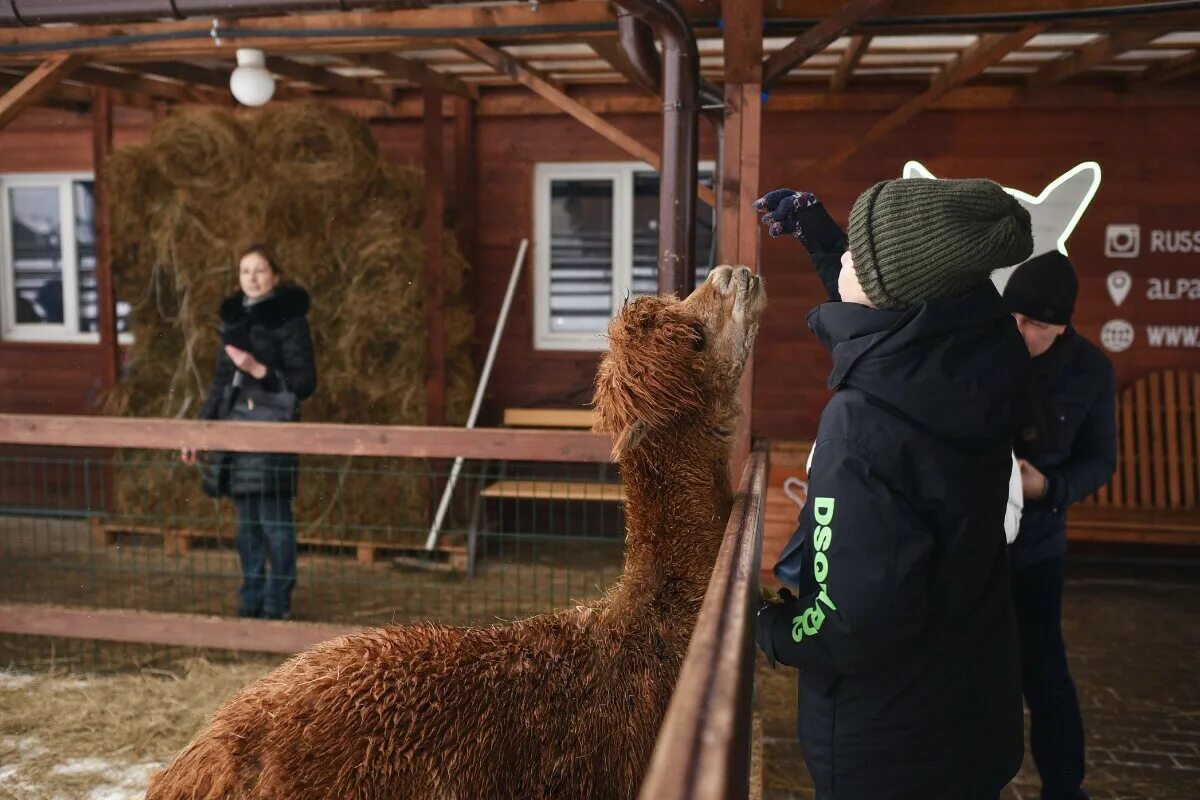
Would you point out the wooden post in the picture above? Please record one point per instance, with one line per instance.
(739, 173)
(102, 144)
(432, 231)
(464, 175)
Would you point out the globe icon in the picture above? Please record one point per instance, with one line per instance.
(1116, 335)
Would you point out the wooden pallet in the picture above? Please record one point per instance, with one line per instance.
(178, 542)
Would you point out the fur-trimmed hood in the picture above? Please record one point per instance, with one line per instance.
(286, 302)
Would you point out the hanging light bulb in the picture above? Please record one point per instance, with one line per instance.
(250, 83)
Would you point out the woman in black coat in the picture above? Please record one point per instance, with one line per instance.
(266, 359)
(902, 624)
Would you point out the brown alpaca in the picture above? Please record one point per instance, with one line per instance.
(564, 705)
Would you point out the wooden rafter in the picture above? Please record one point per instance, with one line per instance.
(185, 72)
(62, 97)
(989, 50)
(134, 83)
(406, 69)
(327, 79)
(816, 38)
(202, 76)
(1093, 54)
(1173, 69)
(37, 84)
(503, 63)
(850, 57)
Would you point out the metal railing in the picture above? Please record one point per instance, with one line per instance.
(703, 749)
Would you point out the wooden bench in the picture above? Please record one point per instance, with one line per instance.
(562, 418)
(570, 418)
(1154, 495)
(178, 542)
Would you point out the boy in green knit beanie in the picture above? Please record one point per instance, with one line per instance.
(901, 623)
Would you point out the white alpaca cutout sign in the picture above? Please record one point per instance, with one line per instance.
(1054, 213)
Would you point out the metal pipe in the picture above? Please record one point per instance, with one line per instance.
(681, 104)
(636, 40)
(41, 12)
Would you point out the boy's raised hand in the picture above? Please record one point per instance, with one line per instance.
(782, 209)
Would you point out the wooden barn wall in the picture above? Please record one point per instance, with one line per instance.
(1150, 161)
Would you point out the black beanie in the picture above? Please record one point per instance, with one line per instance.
(1044, 288)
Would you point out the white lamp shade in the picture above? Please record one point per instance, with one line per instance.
(250, 83)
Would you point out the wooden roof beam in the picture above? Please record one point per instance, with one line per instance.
(1094, 54)
(850, 58)
(988, 51)
(30, 90)
(319, 76)
(192, 39)
(818, 37)
(134, 83)
(394, 66)
(503, 63)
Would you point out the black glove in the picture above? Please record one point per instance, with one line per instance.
(802, 215)
(770, 615)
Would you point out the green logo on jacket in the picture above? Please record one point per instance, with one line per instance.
(809, 622)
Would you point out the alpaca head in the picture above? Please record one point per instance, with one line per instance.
(671, 360)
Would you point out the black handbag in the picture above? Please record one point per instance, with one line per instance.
(254, 404)
(250, 403)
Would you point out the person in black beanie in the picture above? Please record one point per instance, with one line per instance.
(901, 626)
(1072, 455)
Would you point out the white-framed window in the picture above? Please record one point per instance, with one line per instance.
(596, 243)
(48, 259)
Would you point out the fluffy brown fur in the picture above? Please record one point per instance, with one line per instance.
(565, 705)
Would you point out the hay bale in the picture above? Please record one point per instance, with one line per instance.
(203, 152)
(307, 179)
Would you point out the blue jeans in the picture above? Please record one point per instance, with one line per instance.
(265, 533)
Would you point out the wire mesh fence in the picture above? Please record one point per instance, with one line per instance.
(131, 530)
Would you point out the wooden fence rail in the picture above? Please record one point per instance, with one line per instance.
(703, 750)
(407, 441)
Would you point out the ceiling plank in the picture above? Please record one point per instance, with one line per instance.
(407, 69)
(1093, 54)
(503, 63)
(989, 50)
(30, 90)
(850, 57)
(816, 38)
(326, 79)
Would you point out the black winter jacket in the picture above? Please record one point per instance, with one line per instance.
(278, 335)
(903, 627)
(1076, 451)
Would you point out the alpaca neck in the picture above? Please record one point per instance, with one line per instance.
(677, 501)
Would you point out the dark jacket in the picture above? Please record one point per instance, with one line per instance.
(1076, 451)
(276, 332)
(903, 628)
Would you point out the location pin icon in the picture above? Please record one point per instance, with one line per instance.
(1119, 284)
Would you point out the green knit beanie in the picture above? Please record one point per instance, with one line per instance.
(915, 239)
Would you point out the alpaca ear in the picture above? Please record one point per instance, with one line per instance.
(630, 438)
